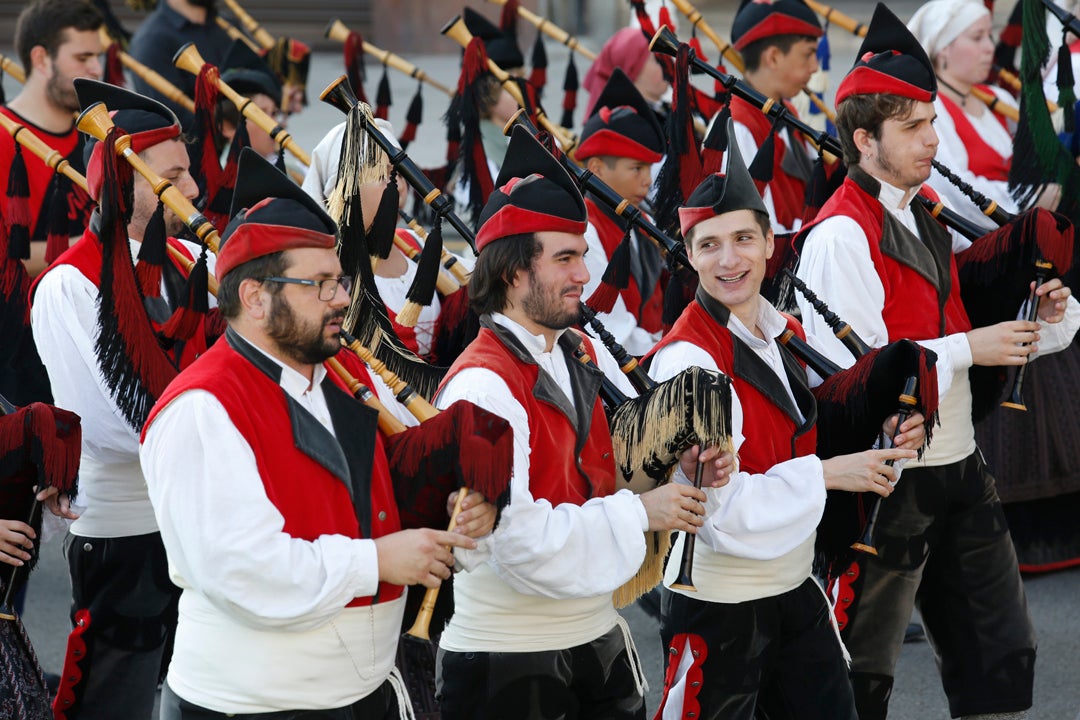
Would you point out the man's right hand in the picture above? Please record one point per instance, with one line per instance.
(674, 506)
(1003, 343)
(418, 557)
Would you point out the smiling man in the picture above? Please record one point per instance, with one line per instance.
(886, 266)
(534, 633)
(754, 637)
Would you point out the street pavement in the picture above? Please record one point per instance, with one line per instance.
(1054, 600)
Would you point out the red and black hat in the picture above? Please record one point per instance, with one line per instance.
(759, 19)
(248, 74)
(533, 193)
(622, 124)
(147, 122)
(722, 192)
(890, 61)
(502, 47)
(270, 213)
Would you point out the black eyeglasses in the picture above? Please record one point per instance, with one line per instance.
(327, 288)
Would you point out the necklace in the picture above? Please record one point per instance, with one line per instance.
(963, 96)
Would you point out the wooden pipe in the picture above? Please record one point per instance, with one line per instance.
(421, 628)
(265, 39)
(457, 31)
(188, 59)
(236, 33)
(338, 31)
(552, 31)
(420, 408)
(13, 69)
(152, 78)
(37, 146)
(95, 121)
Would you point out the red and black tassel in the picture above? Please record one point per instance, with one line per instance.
(570, 89)
(152, 254)
(354, 63)
(413, 117)
(382, 96)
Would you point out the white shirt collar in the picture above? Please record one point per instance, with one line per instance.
(536, 345)
(893, 197)
(769, 319)
(292, 381)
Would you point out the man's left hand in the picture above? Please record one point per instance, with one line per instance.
(476, 517)
(1053, 298)
(59, 505)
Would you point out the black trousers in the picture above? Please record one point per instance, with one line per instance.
(776, 658)
(124, 614)
(944, 546)
(379, 705)
(593, 681)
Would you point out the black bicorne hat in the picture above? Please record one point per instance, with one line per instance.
(247, 73)
(502, 48)
(622, 124)
(722, 192)
(758, 19)
(890, 61)
(533, 193)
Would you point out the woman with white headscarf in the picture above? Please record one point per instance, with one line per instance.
(974, 142)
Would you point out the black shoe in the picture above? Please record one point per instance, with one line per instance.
(914, 633)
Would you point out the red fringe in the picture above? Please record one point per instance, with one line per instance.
(55, 246)
(149, 277)
(354, 63)
(664, 18)
(114, 68)
(643, 18)
(508, 19)
(59, 435)
(603, 298)
(473, 64)
(182, 324)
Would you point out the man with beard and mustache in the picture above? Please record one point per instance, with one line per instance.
(889, 269)
(123, 605)
(534, 631)
(56, 41)
(276, 494)
(173, 24)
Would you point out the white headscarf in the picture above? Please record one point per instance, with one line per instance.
(939, 22)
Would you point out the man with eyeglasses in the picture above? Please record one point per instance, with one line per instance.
(280, 505)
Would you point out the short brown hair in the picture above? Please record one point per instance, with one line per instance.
(495, 267)
(868, 112)
(44, 22)
(752, 53)
(228, 296)
(762, 219)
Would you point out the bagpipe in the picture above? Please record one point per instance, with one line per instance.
(852, 405)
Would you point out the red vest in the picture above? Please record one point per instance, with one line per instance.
(916, 306)
(983, 160)
(312, 499)
(565, 466)
(788, 192)
(85, 256)
(772, 434)
(649, 311)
